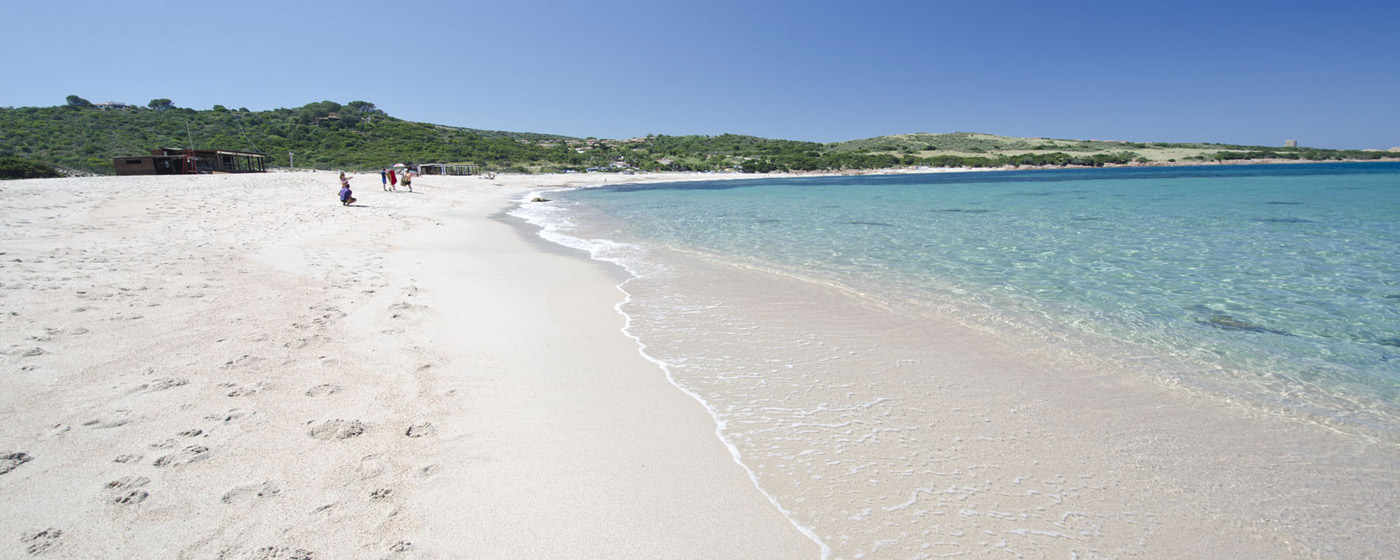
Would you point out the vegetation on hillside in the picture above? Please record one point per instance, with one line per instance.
(12, 167)
(84, 136)
(1003, 150)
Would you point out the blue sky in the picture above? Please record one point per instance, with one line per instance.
(1324, 73)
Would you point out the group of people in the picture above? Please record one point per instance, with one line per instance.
(390, 179)
(346, 196)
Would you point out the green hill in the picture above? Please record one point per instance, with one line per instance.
(321, 135)
(973, 145)
(84, 137)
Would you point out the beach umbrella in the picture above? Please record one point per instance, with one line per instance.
(399, 165)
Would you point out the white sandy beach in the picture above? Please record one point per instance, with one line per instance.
(240, 367)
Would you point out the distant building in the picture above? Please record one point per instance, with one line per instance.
(448, 169)
(170, 161)
(1290, 143)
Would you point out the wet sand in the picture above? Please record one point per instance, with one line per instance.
(894, 432)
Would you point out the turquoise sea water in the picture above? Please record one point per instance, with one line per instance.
(1278, 285)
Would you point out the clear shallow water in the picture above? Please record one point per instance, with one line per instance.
(1280, 284)
(883, 427)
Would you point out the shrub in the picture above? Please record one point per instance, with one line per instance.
(13, 167)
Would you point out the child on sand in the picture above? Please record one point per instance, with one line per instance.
(346, 197)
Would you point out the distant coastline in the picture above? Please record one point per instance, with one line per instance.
(87, 139)
(911, 170)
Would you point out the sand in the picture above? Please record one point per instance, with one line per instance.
(897, 433)
(240, 367)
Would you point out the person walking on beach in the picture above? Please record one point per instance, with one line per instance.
(393, 181)
(407, 180)
(384, 178)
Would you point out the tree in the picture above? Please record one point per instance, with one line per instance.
(220, 109)
(75, 101)
(363, 106)
(160, 104)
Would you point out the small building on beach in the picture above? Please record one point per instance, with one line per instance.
(171, 161)
(448, 169)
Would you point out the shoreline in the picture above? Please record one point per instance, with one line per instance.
(1117, 448)
(1051, 455)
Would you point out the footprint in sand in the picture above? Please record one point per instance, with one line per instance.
(251, 491)
(42, 542)
(159, 385)
(127, 458)
(245, 390)
(381, 494)
(9, 461)
(424, 429)
(323, 389)
(232, 415)
(168, 443)
(241, 361)
(305, 341)
(371, 467)
(277, 553)
(127, 490)
(184, 456)
(99, 423)
(132, 497)
(56, 430)
(401, 308)
(28, 352)
(338, 429)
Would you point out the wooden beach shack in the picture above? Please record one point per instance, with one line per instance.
(171, 161)
(447, 169)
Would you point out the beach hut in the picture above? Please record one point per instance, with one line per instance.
(448, 169)
(172, 161)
